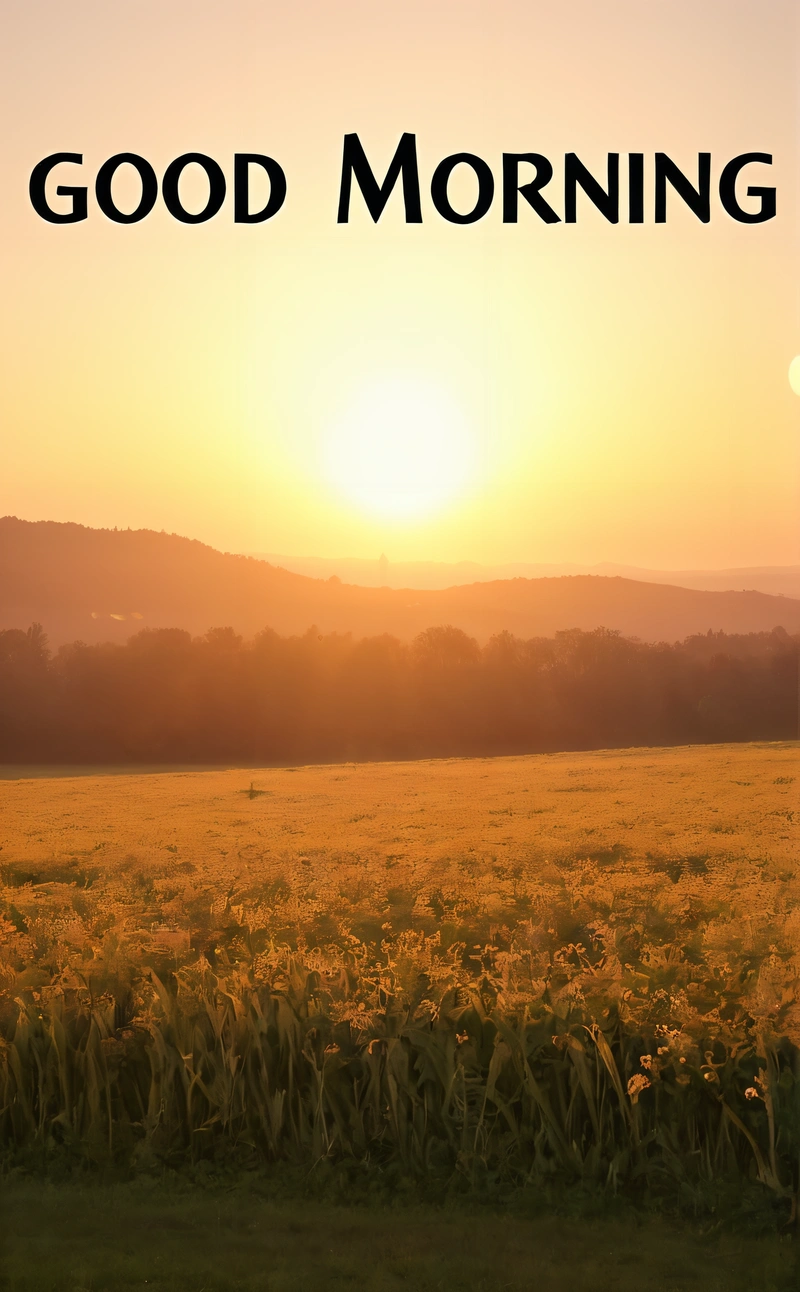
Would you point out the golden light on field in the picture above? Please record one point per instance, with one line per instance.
(351, 959)
(794, 374)
(402, 448)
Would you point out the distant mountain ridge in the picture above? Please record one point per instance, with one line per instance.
(777, 580)
(100, 584)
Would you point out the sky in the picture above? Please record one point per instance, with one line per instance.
(587, 392)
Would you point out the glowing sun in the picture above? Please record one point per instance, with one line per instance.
(401, 449)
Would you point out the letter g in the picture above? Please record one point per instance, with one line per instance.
(37, 183)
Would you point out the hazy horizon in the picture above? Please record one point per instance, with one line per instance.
(422, 573)
(584, 566)
(777, 580)
(382, 566)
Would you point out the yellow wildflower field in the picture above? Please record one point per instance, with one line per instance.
(388, 844)
(378, 841)
(579, 963)
(729, 801)
(693, 846)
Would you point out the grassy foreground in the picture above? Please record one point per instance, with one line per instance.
(146, 1237)
(486, 976)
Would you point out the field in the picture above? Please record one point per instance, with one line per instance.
(464, 976)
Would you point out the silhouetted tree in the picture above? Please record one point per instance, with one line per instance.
(167, 697)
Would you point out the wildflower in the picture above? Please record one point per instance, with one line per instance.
(461, 1037)
(111, 1047)
(646, 1062)
(751, 1093)
(636, 1085)
(711, 1076)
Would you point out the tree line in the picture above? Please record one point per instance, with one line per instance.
(165, 696)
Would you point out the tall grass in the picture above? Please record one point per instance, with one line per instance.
(442, 1082)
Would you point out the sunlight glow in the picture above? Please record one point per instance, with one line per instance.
(401, 449)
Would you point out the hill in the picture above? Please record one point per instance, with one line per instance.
(778, 580)
(100, 584)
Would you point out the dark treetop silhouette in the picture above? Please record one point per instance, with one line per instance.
(165, 696)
